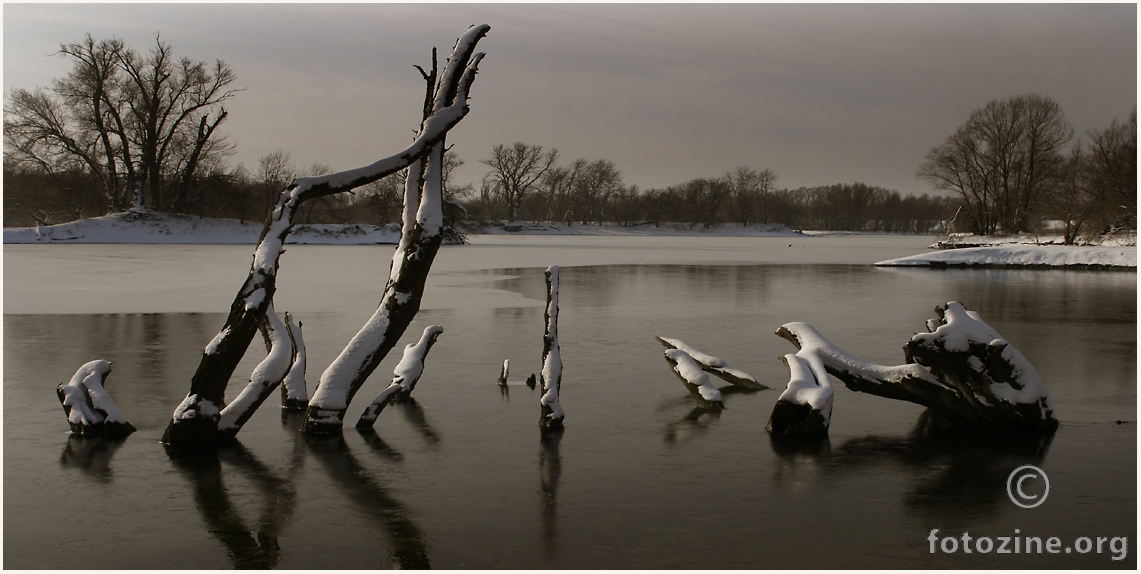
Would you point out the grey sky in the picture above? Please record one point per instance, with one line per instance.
(819, 93)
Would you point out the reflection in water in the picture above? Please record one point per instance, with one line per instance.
(372, 499)
(699, 419)
(953, 474)
(378, 445)
(550, 467)
(414, 414)
(91, 454)
(246, 548)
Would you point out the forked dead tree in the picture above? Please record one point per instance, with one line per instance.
(197, 419)
(962, 370)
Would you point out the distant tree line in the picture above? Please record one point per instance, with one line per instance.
(139, 129)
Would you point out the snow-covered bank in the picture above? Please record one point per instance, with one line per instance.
(647, 228)
(1015, 255)
(152, 227)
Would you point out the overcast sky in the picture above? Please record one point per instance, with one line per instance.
(820, 93)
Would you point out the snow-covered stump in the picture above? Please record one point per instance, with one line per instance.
(420, 238)
(503, 373)
(550, 411)
(696, 381)
(715, 365)
(962, 370)
(294, 395)
(805, 406)
(221, 357)
(89, 408)
(404, 377)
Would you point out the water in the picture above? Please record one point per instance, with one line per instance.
(639, 479)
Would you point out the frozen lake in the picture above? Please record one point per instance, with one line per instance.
(639, 479)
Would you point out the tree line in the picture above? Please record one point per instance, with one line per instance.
(139, 129)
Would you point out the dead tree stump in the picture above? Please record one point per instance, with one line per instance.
(550, 411)
(89, 408)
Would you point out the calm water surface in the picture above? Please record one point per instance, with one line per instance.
(639, 479)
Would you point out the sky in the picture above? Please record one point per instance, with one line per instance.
(819, 93)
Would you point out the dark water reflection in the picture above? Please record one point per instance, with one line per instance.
(638, 479)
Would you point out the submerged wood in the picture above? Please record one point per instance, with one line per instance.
(420, 239)
(961, 369)
(695, 379)
(87, 404)
(503, 373)
(195, 420)
(294, 394)
(805, 406)
(550, 411)
(404, 377)
(715, 365)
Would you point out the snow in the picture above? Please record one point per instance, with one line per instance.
(961, 328)
(217, 340)
(689, 370)
(411, 364)
(552, 372)
(266, 374)
(1024, 256)
(294, 382)
(87, 382)
(704, 359)
(813, 343)
(808, 383)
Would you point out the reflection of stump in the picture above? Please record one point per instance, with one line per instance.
(962, 369)
(89, 408)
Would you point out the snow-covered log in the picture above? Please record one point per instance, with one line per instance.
(696, 381)
(962, 370)
(714, 365)
(89, 408)
(221, 357)
(294, 395)
(550, 411)
(503, 373)
(420, 239)
(805, 406)
(404, 377)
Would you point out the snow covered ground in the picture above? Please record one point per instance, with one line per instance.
(1018, 255)
(150, 227)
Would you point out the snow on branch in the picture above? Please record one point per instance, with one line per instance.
(714, 365)
(294, 395)
(550, 411)
(419, 242)
(267, 375)
(695, 380)
(89, 408)
(962, 370)
(404, 377)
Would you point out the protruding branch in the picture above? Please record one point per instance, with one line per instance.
(503, 373)
(404, 377)
(294, 395)
(714, 365)
(89, 408)
(805, 406)
(694, 379)
(550, 411)
(267, 375)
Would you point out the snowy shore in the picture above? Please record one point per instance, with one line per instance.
(150, 227)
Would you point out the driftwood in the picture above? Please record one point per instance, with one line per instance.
(805, 406)
(694, 379)
(89, 408)
(715, 365)
(962, 370)
(420, 239)
(550, 411)
(196, 419)
(404, 377)
(294, 395)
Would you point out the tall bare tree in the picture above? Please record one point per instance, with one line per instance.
(1004, 161)
(514, 172)
(142, 122)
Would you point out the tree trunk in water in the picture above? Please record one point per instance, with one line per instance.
(550, 411)
(714, 365)
(294, 395)
(87, 405)
(404, 377)
(694, 379)
(221, 357)
(961, 369)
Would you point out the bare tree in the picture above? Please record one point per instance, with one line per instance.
(196, 420)
(143, 123)
(514, 172)
(1004, 161)
(1113, 169)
